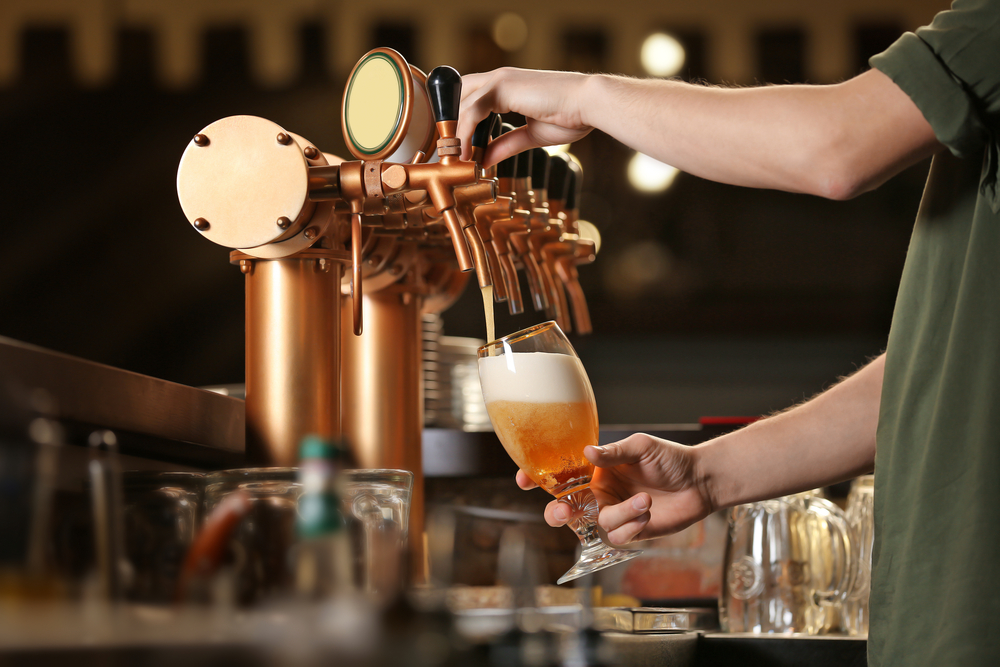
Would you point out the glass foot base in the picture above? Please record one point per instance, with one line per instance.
(598, 559)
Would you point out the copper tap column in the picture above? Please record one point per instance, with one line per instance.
(383, 396)
(405, 270)
(293, 354)
(243, 183)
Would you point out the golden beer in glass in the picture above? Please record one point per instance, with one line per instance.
(543, 410)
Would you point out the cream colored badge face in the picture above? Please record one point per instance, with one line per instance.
(374, 104)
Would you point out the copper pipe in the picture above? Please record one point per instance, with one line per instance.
(292, 353)
(356, 289)
(383, 397)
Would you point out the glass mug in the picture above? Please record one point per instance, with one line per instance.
(788, 566)
(860, 517)
(162, 511)
(376, 501)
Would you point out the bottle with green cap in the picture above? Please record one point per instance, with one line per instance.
(324, 566)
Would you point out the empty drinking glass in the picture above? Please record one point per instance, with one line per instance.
(788, 566)
(860, 517)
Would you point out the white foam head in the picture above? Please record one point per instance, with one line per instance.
(534, 377)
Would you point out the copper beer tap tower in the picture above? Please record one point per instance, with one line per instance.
(342, 257)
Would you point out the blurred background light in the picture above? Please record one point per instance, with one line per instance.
(647, 174)
(662, 55)
(510, 32)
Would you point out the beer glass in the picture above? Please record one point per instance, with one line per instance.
(543, 410)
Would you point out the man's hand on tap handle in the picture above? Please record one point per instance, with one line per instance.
(546, 99)
(646, 487)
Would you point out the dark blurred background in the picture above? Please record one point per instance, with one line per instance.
(706, 298)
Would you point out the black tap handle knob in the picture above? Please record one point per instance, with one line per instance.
(574, 186)
(524, 166)
(539, 169)
(507, 168)
(498, 128)
(444, 88)
(481, 136)
(559, 175)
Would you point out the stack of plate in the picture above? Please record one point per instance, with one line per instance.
(452, 394)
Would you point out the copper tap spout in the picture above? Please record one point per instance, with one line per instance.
(469, 199)
(552, 253)
(486, 216)
(566, 270)
(501, 232)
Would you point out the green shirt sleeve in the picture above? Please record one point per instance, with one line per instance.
(948, 69)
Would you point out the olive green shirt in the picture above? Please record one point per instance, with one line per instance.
(935, 597)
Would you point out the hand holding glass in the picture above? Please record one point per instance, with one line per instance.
(543, 410)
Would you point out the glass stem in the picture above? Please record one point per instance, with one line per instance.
(583, 505)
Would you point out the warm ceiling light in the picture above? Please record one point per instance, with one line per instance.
(552, 150)
(649, 175)
(510, 32)
(662, 55)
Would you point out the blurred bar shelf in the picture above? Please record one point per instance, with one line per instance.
(151, 418)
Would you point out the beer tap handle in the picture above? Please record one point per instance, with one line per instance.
(356, 290)
(444, 88)
(540, 164)
(559, 180)
(506, 169)
(574, 190)
(481, 136)
(523, 195)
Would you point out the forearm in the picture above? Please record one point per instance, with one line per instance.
(828, 439)
(835, 141)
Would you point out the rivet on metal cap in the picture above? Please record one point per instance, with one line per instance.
(284, 139)
(284, 223)
(201, 140)
(311, 233)
(201, 224)
(311, 152)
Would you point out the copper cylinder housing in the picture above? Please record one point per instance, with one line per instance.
(292, 352)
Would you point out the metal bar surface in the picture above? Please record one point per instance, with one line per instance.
(92, 393)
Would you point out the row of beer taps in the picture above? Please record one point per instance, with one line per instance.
(407, 220)
(519, 215)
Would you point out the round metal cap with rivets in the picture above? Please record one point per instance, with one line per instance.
(244, 181)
